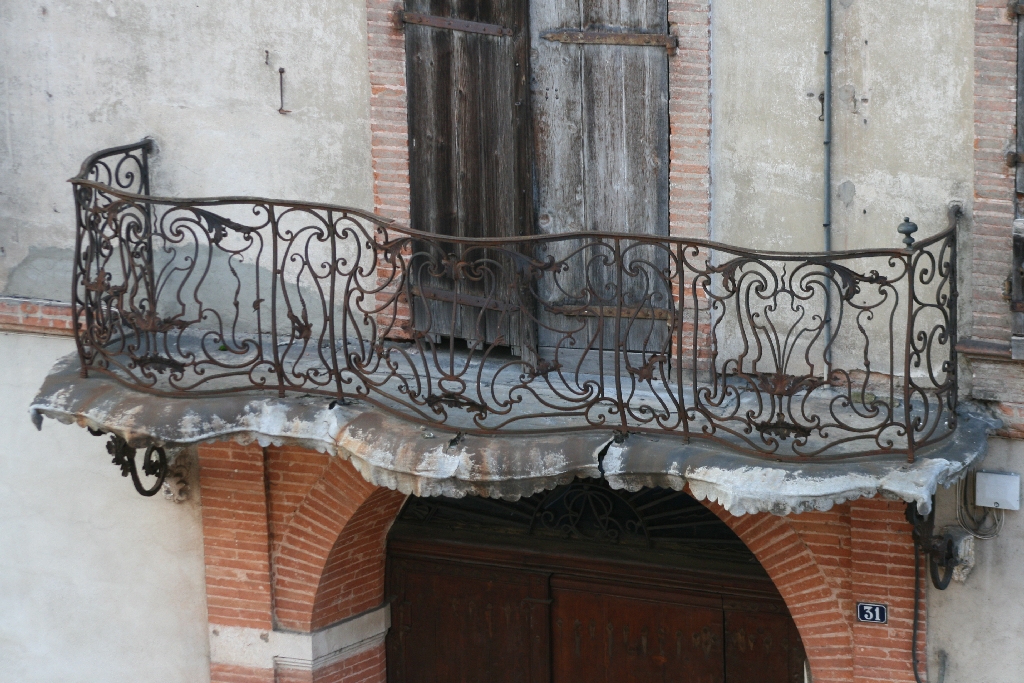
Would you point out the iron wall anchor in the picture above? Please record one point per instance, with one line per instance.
(154, 463)
(940, 551)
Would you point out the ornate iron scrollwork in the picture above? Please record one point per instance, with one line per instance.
(588, 511)
(771, 354)
(154, 463)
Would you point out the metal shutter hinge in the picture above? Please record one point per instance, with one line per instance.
(453, 24)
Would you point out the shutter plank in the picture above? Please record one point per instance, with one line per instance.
(470, 158)
(556, 73)
(620, 135)
(626, 147)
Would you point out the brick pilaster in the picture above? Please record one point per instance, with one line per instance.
(235, 535)
(285, 529)
(883, 572)
(368, 666)
(689, 116)
(995, 82)
(388, 114)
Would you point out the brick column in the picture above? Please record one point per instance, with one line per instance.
(883, 572)
(995, 85)
(823, 563)
(295, 546)
(388, 114)
(236, 548)
(689, 120)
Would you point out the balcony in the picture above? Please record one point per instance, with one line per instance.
(582, 340)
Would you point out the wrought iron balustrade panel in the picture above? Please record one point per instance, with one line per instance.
(787, 356)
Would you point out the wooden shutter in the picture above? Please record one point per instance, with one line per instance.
(469, 149)
(601, 145)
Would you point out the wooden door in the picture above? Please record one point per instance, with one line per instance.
(459, 623)
(477, 596)
(762, 644)
(469, 154)
(600, 116)
(603, 633)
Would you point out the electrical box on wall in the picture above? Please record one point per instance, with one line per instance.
(997, 490)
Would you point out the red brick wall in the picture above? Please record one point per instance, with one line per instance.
(995, 81)
(285, 528)
(814, 602)
(328, 528)
(222, 673)
(353, 577)
(366, 667)
(302, 546)
(27, 315)
(825, 562)
(689, 110)
(235, 535)
(285, 675)
(388, 115)
(882, 570)
(995, 70)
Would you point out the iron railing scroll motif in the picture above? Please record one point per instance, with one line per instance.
(631, 333)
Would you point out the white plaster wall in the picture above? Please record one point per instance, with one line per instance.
(902, 145)
(80, 75)
(97, 583)
(980, 623)
(905, 151)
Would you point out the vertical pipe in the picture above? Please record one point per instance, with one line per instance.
(827, 217)
(827, 104)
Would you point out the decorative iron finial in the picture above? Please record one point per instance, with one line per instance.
(907, 229)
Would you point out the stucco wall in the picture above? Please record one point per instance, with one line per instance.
(979, 623)
(902, 113)
(97, 584)
(82, 75)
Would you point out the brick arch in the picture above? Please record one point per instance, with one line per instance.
(814, 599)
(302, 549)
(353, 578)
(329, 564)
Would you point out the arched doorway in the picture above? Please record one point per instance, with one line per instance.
(581, 584)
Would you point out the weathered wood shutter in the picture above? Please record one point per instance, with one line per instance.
(469, 148)
(600, 109)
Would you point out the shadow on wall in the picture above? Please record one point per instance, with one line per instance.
(236, 298)
(44, 274)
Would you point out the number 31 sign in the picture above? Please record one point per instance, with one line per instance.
(872, 613)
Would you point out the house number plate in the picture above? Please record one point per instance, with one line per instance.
(872, 613)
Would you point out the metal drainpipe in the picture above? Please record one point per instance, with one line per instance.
(827, 221)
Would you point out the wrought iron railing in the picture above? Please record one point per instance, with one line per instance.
(782, 355)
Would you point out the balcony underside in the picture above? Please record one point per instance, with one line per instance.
(425, 460)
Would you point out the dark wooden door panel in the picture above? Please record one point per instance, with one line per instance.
(469, 608)
(454, 623)
(762, 647)
(469, 153)
(601, 147)
(603, 637)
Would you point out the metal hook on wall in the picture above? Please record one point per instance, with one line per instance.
(282, 110)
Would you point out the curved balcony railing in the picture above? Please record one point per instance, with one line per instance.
(782, 355)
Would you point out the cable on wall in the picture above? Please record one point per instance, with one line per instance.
(985, 525)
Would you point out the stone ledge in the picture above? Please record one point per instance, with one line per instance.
(400, 455)
(262, 649)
